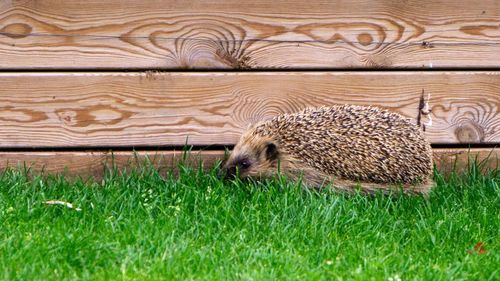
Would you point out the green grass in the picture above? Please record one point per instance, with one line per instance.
(142, 225)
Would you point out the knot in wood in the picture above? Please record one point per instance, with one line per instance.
(16, 30)
(469, 132)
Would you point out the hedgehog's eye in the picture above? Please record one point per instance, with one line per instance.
(244, 164)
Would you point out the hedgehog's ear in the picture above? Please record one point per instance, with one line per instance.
(271, 151)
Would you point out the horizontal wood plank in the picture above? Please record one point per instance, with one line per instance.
(459, 160)
(96, 163)
(170, 109)
(225, 34)
(85, 164)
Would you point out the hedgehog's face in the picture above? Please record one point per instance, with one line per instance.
(253, 156)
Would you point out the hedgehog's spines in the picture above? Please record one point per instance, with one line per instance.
(349, 143)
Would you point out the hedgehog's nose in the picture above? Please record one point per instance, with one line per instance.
(221, 174)
(227, 172)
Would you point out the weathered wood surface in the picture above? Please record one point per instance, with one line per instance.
(72, 34)
(95, 163)
(166, 109)
(448, 160)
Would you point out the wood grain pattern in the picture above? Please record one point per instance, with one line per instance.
(85, 164)
(225, 34)
(167, 109)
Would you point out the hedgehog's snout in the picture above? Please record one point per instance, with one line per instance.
(227, 172)
(235, 168)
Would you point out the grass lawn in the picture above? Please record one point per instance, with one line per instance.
(142, 225)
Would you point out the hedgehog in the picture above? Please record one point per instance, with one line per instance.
(346, 147)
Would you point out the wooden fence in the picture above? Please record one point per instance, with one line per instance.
(79, 79)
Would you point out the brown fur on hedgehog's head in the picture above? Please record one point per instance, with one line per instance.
(253, 156)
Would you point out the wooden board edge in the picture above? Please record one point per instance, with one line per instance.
(96, 163)
(448, 160)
